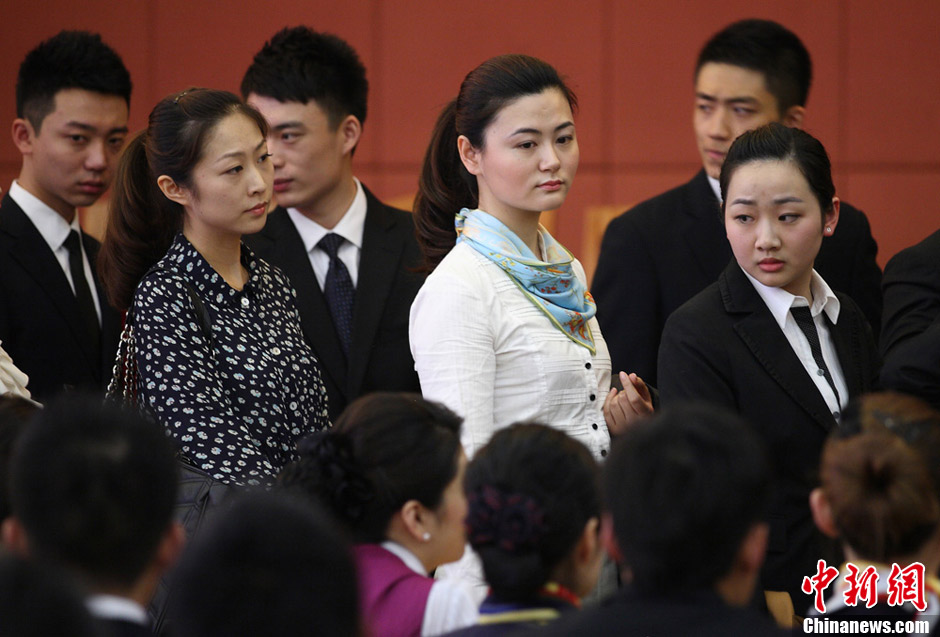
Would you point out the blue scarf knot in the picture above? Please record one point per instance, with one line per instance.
(551, 284)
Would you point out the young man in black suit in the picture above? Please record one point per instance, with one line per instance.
(351, 258)
(93, 491)
(659, 254)
(910, 337)
(72, 99)
(686, 495)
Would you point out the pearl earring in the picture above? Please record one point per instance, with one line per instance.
(828, 230)
(426, 537)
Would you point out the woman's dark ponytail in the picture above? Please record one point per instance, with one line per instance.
(445, 185)
(444, 188)
(143, 221)
(141, 225)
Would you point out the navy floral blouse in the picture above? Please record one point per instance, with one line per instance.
(236, 403)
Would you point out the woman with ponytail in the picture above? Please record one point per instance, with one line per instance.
(534, 521)
(503, 330)
(391, 471)
(220, 357)
(880, 495)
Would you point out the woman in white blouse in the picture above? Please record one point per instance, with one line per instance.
(503, 330)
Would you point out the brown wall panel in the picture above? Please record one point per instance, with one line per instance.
(893, 83)
(875, 102)
(903, 206)
(434, 45)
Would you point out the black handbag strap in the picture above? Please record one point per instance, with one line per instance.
(202, 314)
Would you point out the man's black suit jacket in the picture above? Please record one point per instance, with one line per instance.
(910, 337)
(38, 313)
(661, 253)
(694, 614)
(379, 355)
(724, 347)
(123, 628)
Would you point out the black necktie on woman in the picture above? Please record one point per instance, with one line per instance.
(804, 318)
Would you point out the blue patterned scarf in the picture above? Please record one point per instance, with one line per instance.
(551, 285)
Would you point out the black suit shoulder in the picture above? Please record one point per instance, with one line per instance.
(847, 261)
(653, 258)
(37, 310)
(629, 615)
(650, 213)
(910, 337)
(694, 355)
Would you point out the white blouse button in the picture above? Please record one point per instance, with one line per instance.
(245, 301)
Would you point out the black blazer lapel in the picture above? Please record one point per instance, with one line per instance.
(760, 333)
(855, 347)
(701, 228)
(378, 266)
(110, 318)
(31, 251)
(280, 234)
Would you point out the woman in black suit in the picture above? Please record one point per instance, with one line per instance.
(770, 339)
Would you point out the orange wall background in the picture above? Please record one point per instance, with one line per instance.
(875, 101)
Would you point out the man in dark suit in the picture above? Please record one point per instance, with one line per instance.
(910, 337)
(686, 494)
(351, 259)
(72, 99)
(659, 254)
(93, 491)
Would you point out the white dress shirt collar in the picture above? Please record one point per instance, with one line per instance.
(410, 559)
(716, 187)
(350, 226)
(51, 225)
(779, 301)
(54, 231)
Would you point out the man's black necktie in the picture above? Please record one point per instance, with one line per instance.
(87, 316)
(804, 318)
(338, 290)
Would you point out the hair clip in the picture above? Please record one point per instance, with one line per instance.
(176, 100)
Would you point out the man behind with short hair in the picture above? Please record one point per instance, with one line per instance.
(72, 99)
(351, 258)
(687, 498)
(268, 564)
(93, 490)
(661, 253)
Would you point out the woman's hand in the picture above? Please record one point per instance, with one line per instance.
(628, 406)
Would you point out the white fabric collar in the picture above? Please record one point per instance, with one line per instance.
(350, 226)
(53, 228)
(716, 187)
(410, 559)
(779, 301)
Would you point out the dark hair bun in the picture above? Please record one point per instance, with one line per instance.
(327, 467)
(513, 522)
